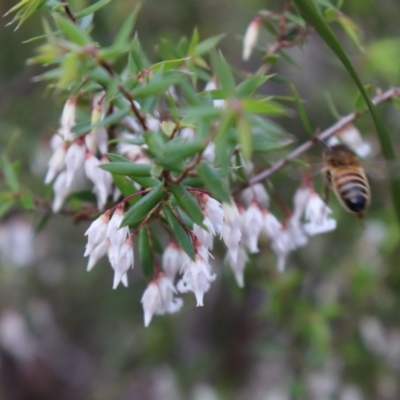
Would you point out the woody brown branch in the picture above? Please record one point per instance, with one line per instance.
(322, 136)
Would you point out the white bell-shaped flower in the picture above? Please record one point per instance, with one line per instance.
(174, 260)
(159, 299)
(74, 159)
(231, 232)
(56, 164)
(205, 237)
(61, 191)
(123, 263)
(95, 255)
(56, 141)
(213, 210)
(151, 302)
(282, 245)
(97, 232)
(197, 279)
(237, 265)
(271, 226)
(101, 179)
(317, 216)
(252, 224)
(296, 232)
(300, 201)
(255, 194)
(116, 235)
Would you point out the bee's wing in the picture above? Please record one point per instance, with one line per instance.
(298, 169)
(382, 169)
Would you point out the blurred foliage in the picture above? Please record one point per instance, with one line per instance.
(326, 328)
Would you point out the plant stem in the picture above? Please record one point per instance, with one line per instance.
(322, 136)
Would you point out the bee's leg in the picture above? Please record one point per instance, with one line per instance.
(327, 185)
(325, 194)
(360, 217)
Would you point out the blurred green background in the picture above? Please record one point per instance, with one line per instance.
(328, 328)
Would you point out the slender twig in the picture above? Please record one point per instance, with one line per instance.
(322, 136)
(135, 110)
(127, 198)
(158, 269)
(202, 191)
(193, 237)
(286, 210)
(71, 16)
(155, 210)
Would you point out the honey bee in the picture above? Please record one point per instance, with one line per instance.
(345, 176)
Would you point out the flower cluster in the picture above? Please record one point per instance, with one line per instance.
(240, 227)
(75, 157)
(239, 223)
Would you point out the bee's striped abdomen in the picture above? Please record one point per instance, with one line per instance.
(353, 189)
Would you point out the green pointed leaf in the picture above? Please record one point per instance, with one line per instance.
(223, 72)
(169, 64)
(139, 141)
(359, 102)
(189, 93)
(206, 45)
(156, 142)
(9, 174)
(262, 107)
(146, 182)
(145, 254)
(352, 30)
(245, 137)
(249, 86)
(187, 202)
(5, 206)
(117, 158)
(176, 152)
(156, 86)
(69, 65)
(17, 7)
(73, 32)
(41, 222)
(127, 168)
(222, 151)
(168, 127)
(302, 111)
(47, 35)
(107, 121)
(213, 182)
(91, 9)
(126, 187)
(126, 29)
(138, 212)
(27, 202)
(32, 7)
(180, 234)
(311, 15)
(86, 22)
(193, 41)
(264, 143)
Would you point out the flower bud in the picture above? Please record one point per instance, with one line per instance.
(68, 119)
(250, 38)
